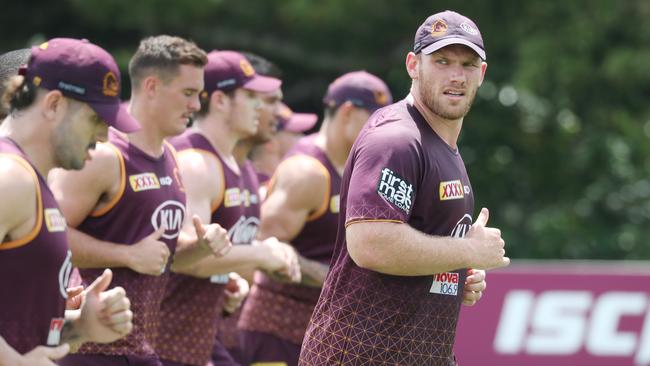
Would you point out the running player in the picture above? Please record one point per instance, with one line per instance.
(57, 112)
(216, 191)
(128, 203)
(405, 237)
(302, 208)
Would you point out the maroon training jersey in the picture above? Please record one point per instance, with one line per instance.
(284, 309)
(34, 270)
(191, 305)
(399, 171)
(152, 195)
(228, 334)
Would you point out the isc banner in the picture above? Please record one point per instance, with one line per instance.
(559, 313)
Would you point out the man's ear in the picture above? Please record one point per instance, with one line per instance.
(412, 64)
(55, 105)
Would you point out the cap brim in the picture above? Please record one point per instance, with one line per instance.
(300, 122)
(262, 84)
(116, 116)
(449, 41)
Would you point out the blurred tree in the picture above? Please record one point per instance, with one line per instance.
(557, 143)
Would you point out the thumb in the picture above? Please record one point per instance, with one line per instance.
(483, 217)
(158, 233)
(101, 283)
(198, 226)
(55, 353)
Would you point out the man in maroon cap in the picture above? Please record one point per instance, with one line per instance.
(217, 191)
(128, 204)
(405, 237)
(302, 208)
(290, 128)
(58, 110)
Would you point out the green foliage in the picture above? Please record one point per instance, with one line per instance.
(557, 143)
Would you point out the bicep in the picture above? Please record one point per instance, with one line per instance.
(299, 188)
(281, 216)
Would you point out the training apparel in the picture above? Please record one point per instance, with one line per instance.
(191, 305)
(152, 196)
(399, 171)
(34, 270)
(283, 309)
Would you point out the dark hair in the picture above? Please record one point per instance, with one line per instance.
(10, 62)
(204, 98)
(162, 55)
(263, 66)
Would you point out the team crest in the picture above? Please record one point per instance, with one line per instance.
(438, 28)
(381, 98)
(246, 68)
(111, 85)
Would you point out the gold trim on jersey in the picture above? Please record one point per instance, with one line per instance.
(109, 206)
(39, 207)
(358, 220)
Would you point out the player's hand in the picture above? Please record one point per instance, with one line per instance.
(474, 286)
(236, 291)
(213, 237)
(42, 356)
(73, 301)
(149, 255)
(105, 315)
(488, 245)
(282, 261)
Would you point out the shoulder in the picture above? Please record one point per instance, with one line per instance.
(16, 174)
(299, 170)
(18, 184)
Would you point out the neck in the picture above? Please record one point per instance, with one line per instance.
(335, 147)
(220, 135)
(242, 149)
(31, 139)
(149, 138)
(264, 158)
(447, 129)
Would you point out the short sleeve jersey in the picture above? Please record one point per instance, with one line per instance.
(399, 171)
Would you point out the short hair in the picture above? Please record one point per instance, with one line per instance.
(163, 55)
(263, 66)
(10, 62)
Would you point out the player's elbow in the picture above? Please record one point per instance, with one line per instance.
(361, 249)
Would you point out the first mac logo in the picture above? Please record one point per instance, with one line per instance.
(395, 189)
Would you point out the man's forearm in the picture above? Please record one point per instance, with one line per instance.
(89, 252)
(398, 249)
(313, 272)
(70, 333)
(239, 258)
(8, 355)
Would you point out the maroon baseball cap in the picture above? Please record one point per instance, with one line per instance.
(295, 122)
(229, 70)
(447, 28)
(84, 72)
(362, 88)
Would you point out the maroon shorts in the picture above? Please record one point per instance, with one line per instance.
(258, 347)
(105, 360)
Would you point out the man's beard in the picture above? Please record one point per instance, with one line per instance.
(436, 105)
